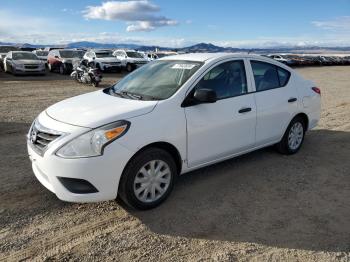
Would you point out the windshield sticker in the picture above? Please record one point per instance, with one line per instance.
(183, 66)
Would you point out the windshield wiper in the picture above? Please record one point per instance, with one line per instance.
(132, 95)
(127, 94)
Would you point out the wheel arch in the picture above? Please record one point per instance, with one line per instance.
(168, 147)
(304, 117)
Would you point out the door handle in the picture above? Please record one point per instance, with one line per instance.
(291, 100)
(244, 110)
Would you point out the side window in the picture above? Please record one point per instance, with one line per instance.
(268, 76)
(283, 76)
(227, 79)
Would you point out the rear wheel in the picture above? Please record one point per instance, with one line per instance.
(148, 179)
(293, 138)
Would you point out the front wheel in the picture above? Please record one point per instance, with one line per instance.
(62, 70)
(129, 67)
(148, 179)
(293, 138)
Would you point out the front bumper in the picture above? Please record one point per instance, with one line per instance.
(20, 71)
(103, 172)
(110, 67)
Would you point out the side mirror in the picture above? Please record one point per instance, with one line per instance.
(56, 56)
(205, 95)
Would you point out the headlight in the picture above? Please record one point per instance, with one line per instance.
(93, 142)
(18, 65)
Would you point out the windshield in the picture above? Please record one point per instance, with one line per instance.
(157, 80)
(134, 55)
(71, 53)
(104, 54)
(24, 56)
(42, 53)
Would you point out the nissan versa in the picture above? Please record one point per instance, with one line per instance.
(169, 117)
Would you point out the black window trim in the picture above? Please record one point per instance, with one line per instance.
(188, 101)
(276, 67)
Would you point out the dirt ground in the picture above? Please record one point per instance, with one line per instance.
(262, 206)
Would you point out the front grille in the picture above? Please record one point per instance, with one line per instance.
(40, 137)
(31, 66)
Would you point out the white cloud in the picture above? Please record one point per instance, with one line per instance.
(140, 15)
(339, 24)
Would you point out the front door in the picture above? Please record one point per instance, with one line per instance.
(226, 127)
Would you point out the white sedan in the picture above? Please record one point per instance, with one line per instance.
(169, 117)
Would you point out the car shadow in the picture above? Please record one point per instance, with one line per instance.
(297, 202)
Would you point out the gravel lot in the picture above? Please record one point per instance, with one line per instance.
(261, 206)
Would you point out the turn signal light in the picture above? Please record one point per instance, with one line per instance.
(113, 133)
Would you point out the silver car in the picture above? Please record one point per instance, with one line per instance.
(22, 62)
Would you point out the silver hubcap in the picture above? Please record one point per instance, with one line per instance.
(152, 181)
(295, 136)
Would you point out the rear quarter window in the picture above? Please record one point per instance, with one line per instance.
(283, 76)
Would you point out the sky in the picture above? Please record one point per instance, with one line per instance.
(178, 23)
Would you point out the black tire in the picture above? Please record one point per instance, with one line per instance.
(129, 68)
(283, 146)
(126, 185)
(62, 70)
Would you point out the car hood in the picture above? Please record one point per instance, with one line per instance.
(98, 108)
(107, 59)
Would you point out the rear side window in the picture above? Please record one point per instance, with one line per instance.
(283, 76)
(268, 76)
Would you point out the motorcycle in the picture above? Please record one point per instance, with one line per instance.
(86, 74)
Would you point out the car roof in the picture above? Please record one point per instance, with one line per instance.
(202, 57)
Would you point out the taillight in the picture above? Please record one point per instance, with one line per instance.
(316, 90)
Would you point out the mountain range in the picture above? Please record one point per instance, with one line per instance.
(201, 47)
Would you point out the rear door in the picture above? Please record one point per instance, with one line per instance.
(226, 127)
(276, 100)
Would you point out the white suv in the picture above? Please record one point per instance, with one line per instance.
(130, 59)
(103, 59)
(169, 117)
